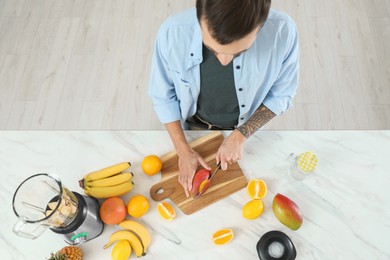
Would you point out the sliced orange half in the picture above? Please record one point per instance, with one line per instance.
(256, 189)
(166, 211)
(223, 236)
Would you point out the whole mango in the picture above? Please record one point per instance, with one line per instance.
(287, 212)
(199, 177)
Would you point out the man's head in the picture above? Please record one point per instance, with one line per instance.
(230, 26)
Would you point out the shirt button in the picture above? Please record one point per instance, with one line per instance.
(192, 54)
(242, 118)
(242, 105)
(240, 89)
(238, 67)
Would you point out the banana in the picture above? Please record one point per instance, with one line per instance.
(112, 191)
(110, 181)
(86, 192)
(107, 172)
(140, 230)
(134, 241)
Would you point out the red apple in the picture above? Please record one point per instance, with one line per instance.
(287, 212)
(199, 177)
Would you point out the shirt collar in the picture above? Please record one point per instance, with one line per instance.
(194, 55)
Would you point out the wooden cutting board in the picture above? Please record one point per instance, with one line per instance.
(222, 185)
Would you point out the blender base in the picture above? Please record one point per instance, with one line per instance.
(87, 224)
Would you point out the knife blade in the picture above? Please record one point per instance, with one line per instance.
(215, 171)
(206, 182)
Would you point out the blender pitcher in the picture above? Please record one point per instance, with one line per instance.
(41, 201)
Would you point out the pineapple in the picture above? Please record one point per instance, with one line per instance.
(68, 253)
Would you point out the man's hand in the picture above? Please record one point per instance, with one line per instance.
(188, 163)
(188, 158)
(231, 149)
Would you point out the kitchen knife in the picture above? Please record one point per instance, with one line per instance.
(206, 183)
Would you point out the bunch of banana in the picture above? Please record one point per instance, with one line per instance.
(108, 182)
(135, 233)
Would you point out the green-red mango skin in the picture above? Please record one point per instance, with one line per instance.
(287, 212)
(199, 177)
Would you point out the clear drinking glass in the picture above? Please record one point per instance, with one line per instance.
(303, 165)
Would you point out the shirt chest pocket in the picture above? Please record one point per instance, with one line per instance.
(182, 86)
(185, 93)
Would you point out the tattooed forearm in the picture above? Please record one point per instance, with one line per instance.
(257, 120)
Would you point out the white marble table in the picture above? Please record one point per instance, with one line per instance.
(345, 204)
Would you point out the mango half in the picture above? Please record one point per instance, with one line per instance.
(199, 177)
(287, 212)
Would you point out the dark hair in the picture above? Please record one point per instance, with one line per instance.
(231, 20)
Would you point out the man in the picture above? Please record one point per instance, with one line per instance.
(228, 65)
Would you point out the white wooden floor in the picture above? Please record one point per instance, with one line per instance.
(84, 64)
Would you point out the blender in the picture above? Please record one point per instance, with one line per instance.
(41, 202)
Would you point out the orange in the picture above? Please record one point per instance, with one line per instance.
(138, 206)
(256, 189)
(253, 209)
(166, 211)
(223, 236)
(151, 165)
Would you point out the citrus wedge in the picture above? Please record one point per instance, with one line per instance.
(223, 236)
(256, 189)
(166, 211)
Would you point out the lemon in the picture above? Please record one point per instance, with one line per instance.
(121, 250)
(253, 209)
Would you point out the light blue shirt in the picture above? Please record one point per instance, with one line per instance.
(267, 73)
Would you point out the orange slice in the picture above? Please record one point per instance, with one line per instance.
(256, 189)
(223, 236)
(166, 211)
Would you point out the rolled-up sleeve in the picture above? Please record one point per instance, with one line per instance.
(280, 96)
(161, 87)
